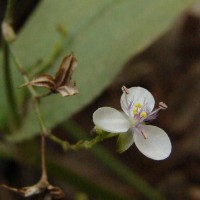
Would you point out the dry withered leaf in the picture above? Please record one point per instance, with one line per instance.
(61, 83)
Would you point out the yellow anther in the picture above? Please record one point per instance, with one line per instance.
(135, 111)
(138, 105)
(143, 114)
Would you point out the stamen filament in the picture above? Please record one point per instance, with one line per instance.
(144, 135)
(126, 92)
(143, 114)
(125, 89)
(138, 105)
(162, 106)
(135, 111)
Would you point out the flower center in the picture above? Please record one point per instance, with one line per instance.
(138, 110)
(143, 114)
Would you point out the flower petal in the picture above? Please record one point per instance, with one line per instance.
(125, 140)
(110, 120)
(137, 95)
(156, 146)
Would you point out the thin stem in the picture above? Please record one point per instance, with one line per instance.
(10, 9)
(82, 144)
(64, 144)
(39, 116)
(7, 71)
(9, 86)
(44, 177)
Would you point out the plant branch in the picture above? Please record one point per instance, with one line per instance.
(43, 127)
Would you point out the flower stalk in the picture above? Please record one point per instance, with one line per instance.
(82, 144)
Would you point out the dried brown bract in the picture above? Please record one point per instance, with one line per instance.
(46, 190)
(62, 81)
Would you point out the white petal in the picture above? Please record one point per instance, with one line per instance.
(156, 146)
(111, 120)
(125, 140)
(138, 95)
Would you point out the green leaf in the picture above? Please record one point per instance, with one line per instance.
(102, 34)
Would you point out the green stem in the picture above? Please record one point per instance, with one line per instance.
(9, 87)
(7, 71)
(10, 9)
(82, 144)
(64, 144)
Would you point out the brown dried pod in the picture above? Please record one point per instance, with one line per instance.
(61, 83)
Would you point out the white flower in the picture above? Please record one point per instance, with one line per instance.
(137, 104)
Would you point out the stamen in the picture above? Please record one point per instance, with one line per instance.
(138, 105)
(143, 114)
(126, 92)
(162, 106)
(125, 89)
(144, 135)
(135, 111)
